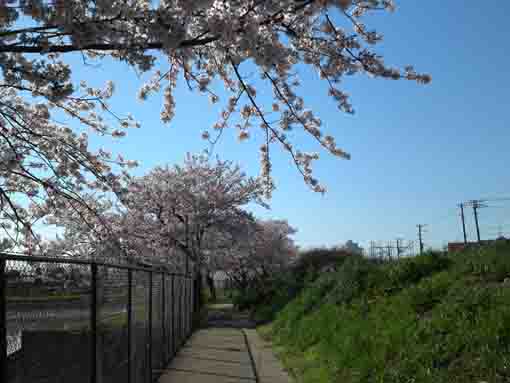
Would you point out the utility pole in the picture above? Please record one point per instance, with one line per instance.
(420, 238)
(463, 222)
(477, 204)
(399, 249)
(475, 211)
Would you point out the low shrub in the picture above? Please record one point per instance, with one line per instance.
(285, 286)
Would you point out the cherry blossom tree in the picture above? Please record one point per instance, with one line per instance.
(90, 231)
(258, 250)
(182, 206)
(220, 243)
(209, 44)
(173, 215)
(45, 167)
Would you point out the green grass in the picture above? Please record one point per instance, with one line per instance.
(428, 319)
(223, 296)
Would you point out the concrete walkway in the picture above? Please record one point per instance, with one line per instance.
(269, 368)
(225, 355)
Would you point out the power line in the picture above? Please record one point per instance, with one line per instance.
(499, 224)
(475, 204)
(498, 206)
(497, 199)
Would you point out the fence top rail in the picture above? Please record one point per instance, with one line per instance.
(72, 261)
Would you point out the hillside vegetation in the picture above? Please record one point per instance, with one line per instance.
(433, 318)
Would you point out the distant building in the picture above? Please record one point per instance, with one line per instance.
(352, 247)
(459, 246)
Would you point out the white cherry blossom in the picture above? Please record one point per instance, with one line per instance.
(208, 43)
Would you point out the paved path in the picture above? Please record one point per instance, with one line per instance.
(269, 368)
(212, 355)
(224, 315)
(225, 355)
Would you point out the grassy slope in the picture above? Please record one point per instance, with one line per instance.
(428, 319)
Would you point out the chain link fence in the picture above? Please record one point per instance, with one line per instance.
(65, 320)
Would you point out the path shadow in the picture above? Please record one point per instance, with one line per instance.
(226, 316)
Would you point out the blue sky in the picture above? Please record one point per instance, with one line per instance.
(416, 150)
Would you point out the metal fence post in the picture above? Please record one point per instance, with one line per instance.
(183, 292)
(173, 313)
(179, 311)
(190, 302)
(183, 310)
(177, 314)
(195, 300)
(187, 307)
(93, 323)
(129, 321)
(149, 333)
(163, 319)
(3, 322)
(178, 302)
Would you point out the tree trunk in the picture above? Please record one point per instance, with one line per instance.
(198, 291)
(212, 287)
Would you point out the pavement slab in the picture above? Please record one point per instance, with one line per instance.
(225, 355)
(218, 331)
(268, 366)
(194, 377)
(213, 355)
(216, 354)
(234, 370)
(216, 344)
